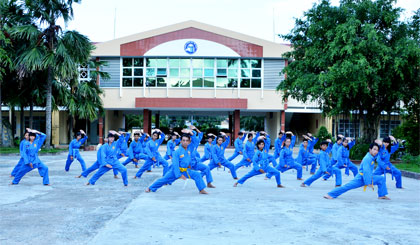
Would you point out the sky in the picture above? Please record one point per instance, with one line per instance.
(259, 18)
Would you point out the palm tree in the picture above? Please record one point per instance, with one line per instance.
(54, 50)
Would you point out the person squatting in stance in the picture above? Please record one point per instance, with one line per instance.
(343, 157)
(109, 160)
(305, 157)
(267, 142)
(135, 151)
(31, 159)
(123, 141)
(384, 164)
(22, 148)
(180, 168)
(153, 155)
(171, 144)
(248, 152)
(323, 160)
(286, 160)
(207, 147)
(218, 155)
(74, 153)
(239, 146)
(365, 177)
(278, 143)
(334, 151)
(260, 166)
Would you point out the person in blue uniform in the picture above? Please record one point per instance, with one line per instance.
(239, 146)
(207, 147)
(74, 153)
(384, 163)
(278, 143)
(135, 151)
(286, 160)
(152, 151)
(364, 178)
(180, 169)
(109, 160)
(248, 152)
(170, 146)
(334, 151)
(260, 166)
(31, 159)
(324, 161)
(343, 157)
(21, 152)
(304, 156)
(123, 141)
(218, 155)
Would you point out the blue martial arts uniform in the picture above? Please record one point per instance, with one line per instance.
(74, 152)
(277, 146)
(363, 178)
(109, 156)
(123, 141)
(135, 151)
(31, 156)
(181, 165)
(218, 156)
(267, 144)
(239, 147)
(170, 147)
(21, 162)
(207, 151)
(334, 158)
(96, 165)
(260, 161)
(249, 151)
(286, 161)
(304, 158)
(343, 159)
(384, 162)
(152, 150)
(203, 168)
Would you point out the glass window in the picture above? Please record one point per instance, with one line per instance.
(138, 72)
(151, 72)
(127, 72)
(245, 83)
(185, 72)
(256, 73)
(245, 64)
(138, 82)
(197, 72)
(151, 82)
(197, 82)
(233, 63)
(255, 63)
(127, 62)
(138, 62)
(233, 73)
(245, 73)
(151, 62)
(197, 63)
(209, 63)
(222, 82)
(256, 83)
(161, 82)
(233, 83)
(174, 72)
(184, 63)
(174, 81)
(209, 82)
(184, 82)
(127, 82)
(348, 128)
(386, 127)
(221, 72)
(161, 72)
(209, 72)
(221, 63)
(173, 62)
(161, 63)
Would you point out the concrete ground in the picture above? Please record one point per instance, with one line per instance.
(68, 212)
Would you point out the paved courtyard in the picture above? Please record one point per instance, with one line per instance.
(68, 212)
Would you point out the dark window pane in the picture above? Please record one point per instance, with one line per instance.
(245, 64)
(233, 83)
(161, 72)
(232, 63)
(209, 82)
(245, 83)
(221, 72)
(138, 62)
(138, 72)
(127, 82)
(256, 83)
(161, 82)
(245, 73)
(151, 62)
(127, 72)
(138, 82)
(151, 82)
(256, 73)
(198, 82)
(256, 63)
(127, 62)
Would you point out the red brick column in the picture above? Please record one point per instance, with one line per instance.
(101, 130)
(147, 121)
(237, 122)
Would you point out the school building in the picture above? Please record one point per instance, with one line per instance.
(192, 68)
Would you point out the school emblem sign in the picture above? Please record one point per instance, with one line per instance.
(190, 47)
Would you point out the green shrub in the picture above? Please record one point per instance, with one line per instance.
(322, 135)
(358, 151)
(409, 159)
(409, 131)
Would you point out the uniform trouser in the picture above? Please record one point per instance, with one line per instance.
(18, 166)
(119, 156)
(314, 177)
(204, 158)
(254, 172)
(272, 159)
(358, 182)
(235, 154)
(243, 162)
(169, 178)
(79, 158)
(352, 167)
(103, 169)
(92, 168)
(283, 169)
(332, 163)
(42, 169)
(149, 162)
(337, 172)
(395, 172)
(136, 156)
(310, 162)
(205, 171)
(225, 163)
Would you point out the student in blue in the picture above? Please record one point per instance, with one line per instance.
(123, 141)
(135, 151)
(96, 165)
(311, 145)
(365, 177)
(278, 143)
(207, 147)
(218, 155)
(323, 160)
(172, 143)
(249, 151)
(21, 151)
(343, 157)
(153, 155)
(267, 142)
(286, 161)
(74, 153)
(239, 146)
(384, 165)
(109, 160)
(31, 159)
(334, 151)
(304, 158)
(261, 166)
(180, 168)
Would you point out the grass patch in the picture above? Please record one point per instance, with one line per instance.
(408, 167)
(10, 150)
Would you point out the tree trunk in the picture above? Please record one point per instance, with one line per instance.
(31, 115)
(70, 128)
(48, 108)
(1, 120)
(87, 133)
(370, 127)
(22, 122)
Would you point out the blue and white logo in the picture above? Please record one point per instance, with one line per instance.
(190, 47)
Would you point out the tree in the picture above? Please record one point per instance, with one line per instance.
(57, 52)
(357, 57)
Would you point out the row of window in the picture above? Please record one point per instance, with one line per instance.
(352, 129)
(219, 82)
